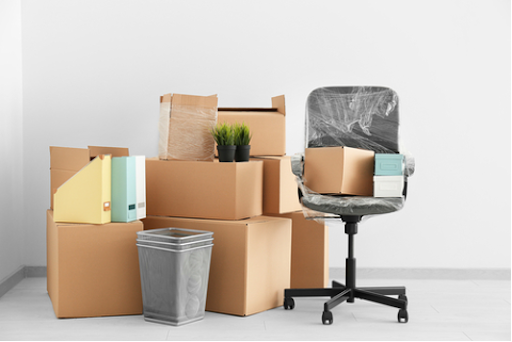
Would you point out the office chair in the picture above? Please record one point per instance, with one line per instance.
(359, 117)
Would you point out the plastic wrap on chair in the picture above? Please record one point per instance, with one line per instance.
(360, 117)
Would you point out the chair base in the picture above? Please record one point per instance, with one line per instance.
(339, 293)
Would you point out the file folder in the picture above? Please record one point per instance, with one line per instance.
(86, 197)
(124, 198)
(140, 181)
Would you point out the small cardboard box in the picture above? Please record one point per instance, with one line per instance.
(250, 263)
(267, 126)
(93, 270)
(339, 170)
(280, 192)
(388, 186)
(223, 191)
(184, 127)
(310, 252)
(66, 161)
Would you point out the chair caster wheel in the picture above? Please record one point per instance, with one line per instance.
(327, 317)
(403, 297)
(403, 316)
(289, 303)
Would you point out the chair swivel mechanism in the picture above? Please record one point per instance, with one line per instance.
(359, 117)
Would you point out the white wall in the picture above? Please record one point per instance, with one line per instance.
(93, 72)
(11, 140)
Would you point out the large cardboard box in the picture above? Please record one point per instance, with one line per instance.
(67, 161)
(310, 252)
(224, 191)
(339, 170)
(184, 127)
(267, 126)
(93, 270)
(280, 194)
(250, 264)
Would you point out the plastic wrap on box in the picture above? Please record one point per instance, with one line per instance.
(184, 127)
(359, 117)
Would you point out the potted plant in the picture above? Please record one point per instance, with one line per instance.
(225, 139)
(242, 139)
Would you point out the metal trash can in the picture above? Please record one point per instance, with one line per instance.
(174, 269)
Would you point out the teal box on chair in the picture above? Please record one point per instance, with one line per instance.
(387, 164)
(124, 198)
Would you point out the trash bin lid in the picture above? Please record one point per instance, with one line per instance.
(174, 235)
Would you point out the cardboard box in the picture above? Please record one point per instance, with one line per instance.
(224, 191)
(250, 263)
(388, 186)
(93, 270)
(267, 126)
(86, 196)
(310, 252)
(339, 170)
(184, 127)
(66, 161)
(280, 192)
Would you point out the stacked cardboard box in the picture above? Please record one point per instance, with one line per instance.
(250, 207)
(92, 264)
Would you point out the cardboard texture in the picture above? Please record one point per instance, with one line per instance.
(310, 252)
(93, 270)
(124, 196)
(250, 263)
(280, 194)
(86, 196)
(140, 185)
(225, 191)
(339, 170)
(66, 161)
(267, 126)
(184, 127)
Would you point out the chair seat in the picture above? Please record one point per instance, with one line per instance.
(357, 205)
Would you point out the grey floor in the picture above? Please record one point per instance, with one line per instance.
(438, 310)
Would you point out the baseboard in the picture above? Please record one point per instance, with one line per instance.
(424, 273)
(334, 273)
(9, 282)
(35, 271)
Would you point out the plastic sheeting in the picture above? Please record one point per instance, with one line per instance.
(184, 127)
(359, 117)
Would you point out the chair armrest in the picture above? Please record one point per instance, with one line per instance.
(298, 164)
(410, 165)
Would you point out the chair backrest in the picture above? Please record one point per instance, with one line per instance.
(361, 117)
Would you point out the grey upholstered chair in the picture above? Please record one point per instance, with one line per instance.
(359, 117)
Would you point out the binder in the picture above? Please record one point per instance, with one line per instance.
(140, 185)
(124, 199)
(86, 196)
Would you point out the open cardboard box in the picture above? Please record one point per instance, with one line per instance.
(267, 126)
(250, 263)
(214, 190)
(65, 162)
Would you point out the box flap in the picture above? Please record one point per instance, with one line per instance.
(114, 151)
(68, 158)
(277, 107)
